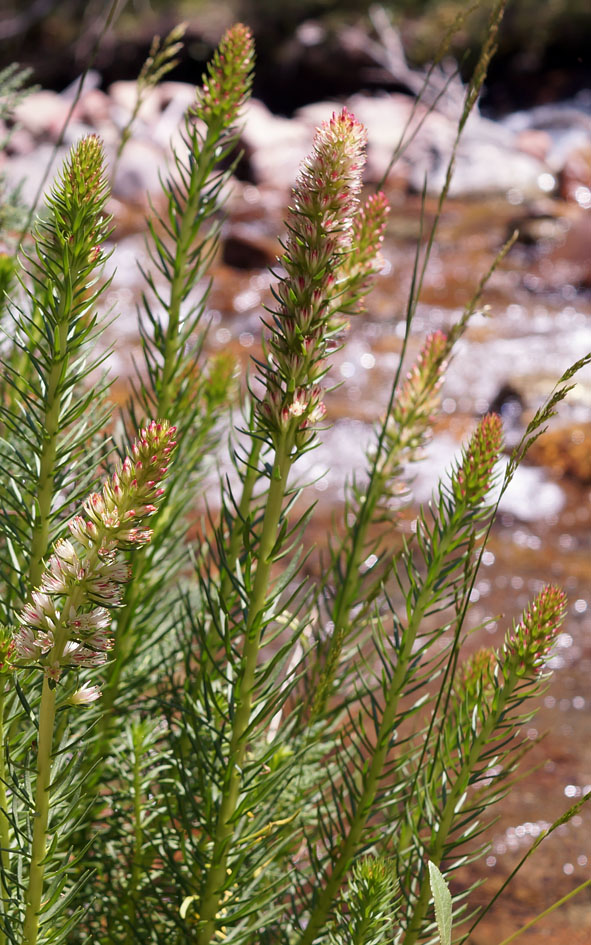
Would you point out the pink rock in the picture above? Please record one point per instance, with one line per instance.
(535, 142)
(275, 146)
(94, 107)
(124, 97)
(43, 114)
(21, 142)
(575, 176)
(137, 172)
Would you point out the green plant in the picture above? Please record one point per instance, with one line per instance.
(269, 760)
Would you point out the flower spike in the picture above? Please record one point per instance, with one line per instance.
(67, 621)
(229, 78)
(530, 641)
(309, 296)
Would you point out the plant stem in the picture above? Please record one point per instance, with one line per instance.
(346, 595)
(136, 863)
(45, 740)
(244, 694)
(542, 915)
(189, 227)
(371, 780)
(41, 815)
(40, 537)
(436, 848)
(235, 543)
(4, 822)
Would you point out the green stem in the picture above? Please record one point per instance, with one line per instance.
(346, 596)
(244, 694)
(45, 740)
(136, 867)
(47, 461)
(236, 538)
(41, 815)
(189, 227)
(436, 849)
(4, 822)
(164, 405)
(371, 781)
(542, 915)
(349, 585)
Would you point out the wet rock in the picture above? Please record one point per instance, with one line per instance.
(245, 248)
(566, 130)
(43, 114)
(182, 95)
(94, 107)
(536, 143)
(137, 172)
(570, 261)
(575, 176)
(488, 161)
(29, 170)
(486, 165)
(508, 403)
(276, 145)
(175, 98)
(124, 98)
(21, 142)
(81, 86)
(566, 452)
(539, 226)
(531, 497)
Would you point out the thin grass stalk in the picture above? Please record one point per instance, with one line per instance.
(542, 915)
(109, 20)
(138, 831)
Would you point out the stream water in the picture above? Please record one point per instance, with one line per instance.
(537, 325)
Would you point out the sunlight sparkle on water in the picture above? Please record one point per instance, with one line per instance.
(246, 300)
(583, 197)
(546, 182)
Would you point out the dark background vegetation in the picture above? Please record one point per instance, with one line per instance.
(543, 46)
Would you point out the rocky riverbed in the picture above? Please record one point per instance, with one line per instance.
(532, 172)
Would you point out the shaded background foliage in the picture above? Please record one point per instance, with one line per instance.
(300, 56)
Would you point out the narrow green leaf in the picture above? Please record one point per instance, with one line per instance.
(443, 904)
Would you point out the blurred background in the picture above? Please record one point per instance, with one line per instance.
(543, 49)
(524, 163)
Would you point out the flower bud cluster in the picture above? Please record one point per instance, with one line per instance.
(529, 641)
(67, 621)
(84, 175)
(475, 678)
(472, 479)
(320, 225)
(364, 261)
(7, 650)
(409, 426)
(77, 224)
(228, 78)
